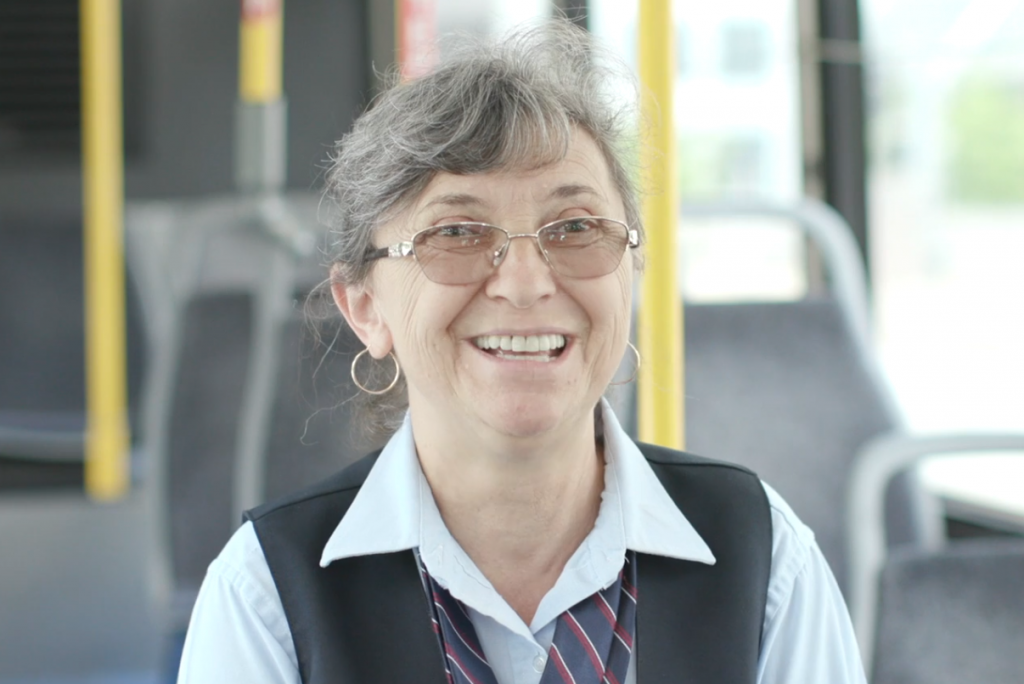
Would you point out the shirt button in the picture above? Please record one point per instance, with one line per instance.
(538, 663)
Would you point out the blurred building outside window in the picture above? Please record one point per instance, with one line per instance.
(682, 46)
(946, 179)
(485, 17)
(946, 188)
(745, 47)
(737, 126)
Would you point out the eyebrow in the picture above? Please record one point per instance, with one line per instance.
(573, 190)
(462, 199)
(455, 199)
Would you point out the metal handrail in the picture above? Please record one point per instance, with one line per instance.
(45, 446)
(830, 234)
(879, 461)
(833, 238)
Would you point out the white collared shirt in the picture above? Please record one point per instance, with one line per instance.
(239, 632)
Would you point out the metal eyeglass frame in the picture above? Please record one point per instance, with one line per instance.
(405, 248)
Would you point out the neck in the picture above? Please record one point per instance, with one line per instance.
(519, 507)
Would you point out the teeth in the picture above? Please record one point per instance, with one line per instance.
(520, 343)
(525, 357)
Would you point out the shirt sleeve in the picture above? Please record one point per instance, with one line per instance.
(238, 631)
(807, 635)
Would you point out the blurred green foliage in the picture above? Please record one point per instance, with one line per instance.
(986, 126)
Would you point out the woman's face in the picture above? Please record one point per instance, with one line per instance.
(443, 334)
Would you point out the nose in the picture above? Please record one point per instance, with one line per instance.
(523, 277)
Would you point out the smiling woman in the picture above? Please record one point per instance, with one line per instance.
(510, 531)
(518, 105)
(432, 310)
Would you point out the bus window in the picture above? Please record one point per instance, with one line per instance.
(737, 123)
(946, 179)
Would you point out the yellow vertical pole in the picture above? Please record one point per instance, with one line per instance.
(660, 401)
(107, 440)
(260, 51)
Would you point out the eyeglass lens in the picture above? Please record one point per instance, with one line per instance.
(463, 253)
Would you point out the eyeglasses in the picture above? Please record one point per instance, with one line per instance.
(465, 253)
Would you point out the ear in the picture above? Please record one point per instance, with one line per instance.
(358, 305)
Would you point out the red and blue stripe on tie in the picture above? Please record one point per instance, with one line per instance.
(593, 640)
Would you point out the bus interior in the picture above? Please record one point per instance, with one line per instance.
(850, 225)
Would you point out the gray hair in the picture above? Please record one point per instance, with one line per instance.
(511, 104)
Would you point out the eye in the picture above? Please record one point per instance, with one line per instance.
(457, 230)
(461, 237)
(572, 231)
(575, 225)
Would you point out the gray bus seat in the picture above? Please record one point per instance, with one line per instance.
(952, 616)
(780, 388)
(221, 282)
(80, 591)
(792, 389)
(80, 582)
(202, 437)
(889, 590)
(313, 428)
(42, 355)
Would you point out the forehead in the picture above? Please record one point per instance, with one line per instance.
(581, 174)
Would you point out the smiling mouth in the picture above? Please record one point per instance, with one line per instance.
(542, 348)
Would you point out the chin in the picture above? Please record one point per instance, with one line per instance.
(526, 418)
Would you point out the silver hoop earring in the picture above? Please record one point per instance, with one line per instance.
(636, 370)
(394, 381)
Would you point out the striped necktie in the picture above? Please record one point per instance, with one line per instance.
(592, 643)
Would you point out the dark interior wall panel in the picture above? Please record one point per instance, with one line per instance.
(844, 120)
(42, 338)
(183, 74)
(191, 99)
(327, 78)
(192, 62)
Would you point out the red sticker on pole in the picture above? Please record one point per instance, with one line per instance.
(417, 37)
(260, 9)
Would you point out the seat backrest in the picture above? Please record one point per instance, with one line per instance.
(311, 427)
(42, 354)
(222, 284)
(202, 437)
(792, 389)
(782, 389)
(876, 465)
(79, 595)
(79, 591)
(314, 429)
(952, 616)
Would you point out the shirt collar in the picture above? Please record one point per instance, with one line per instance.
(387, 514)
(384, 517)
(652, 521)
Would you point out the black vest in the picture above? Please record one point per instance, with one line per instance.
(365, 620)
